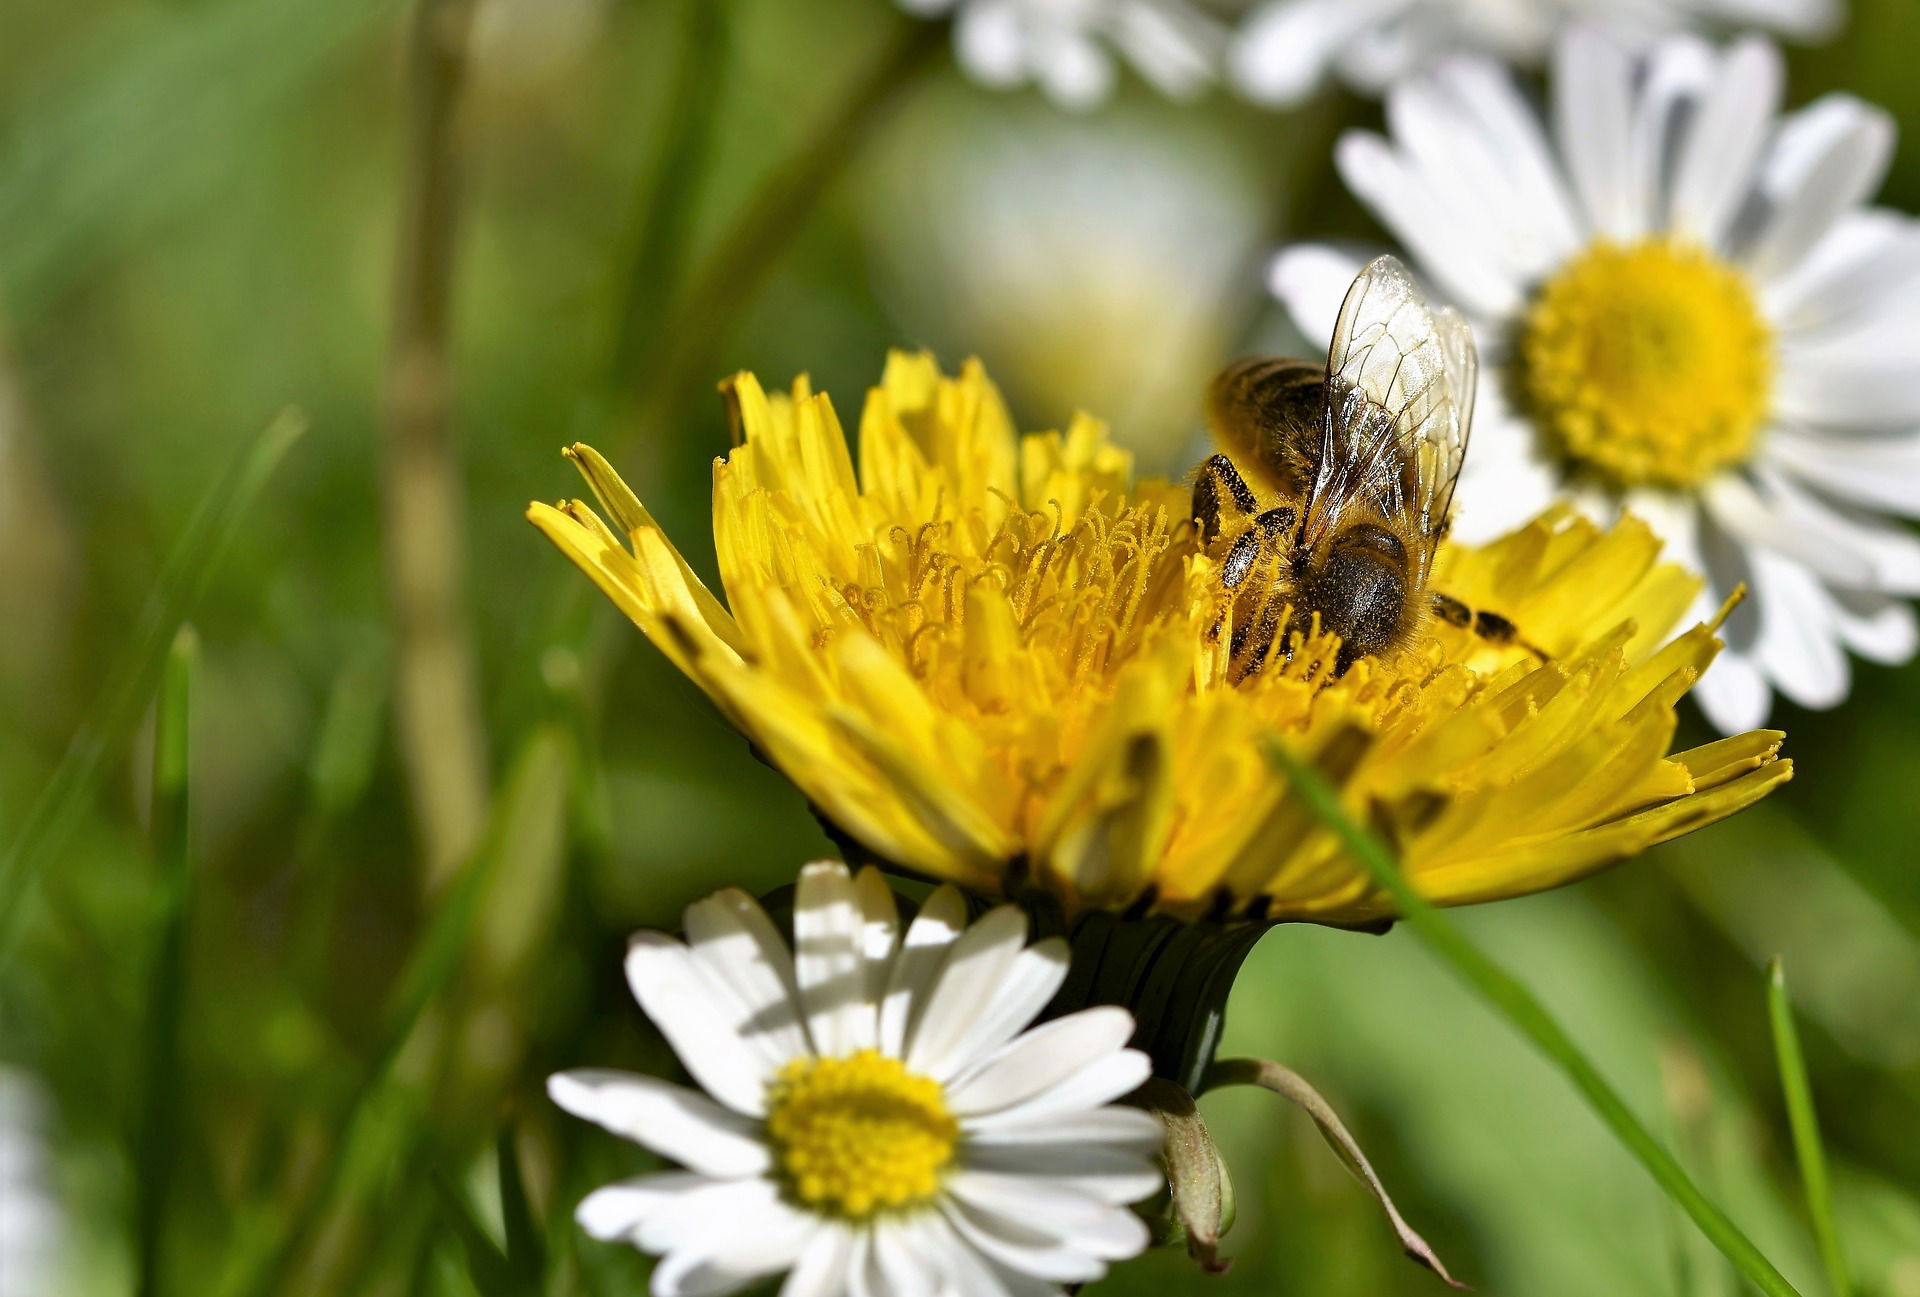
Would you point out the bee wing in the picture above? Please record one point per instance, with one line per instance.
(1400, 380)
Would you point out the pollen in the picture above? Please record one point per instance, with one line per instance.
(1648, 364)
(859, 1135)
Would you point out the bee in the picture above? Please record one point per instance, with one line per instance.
(1363, 454)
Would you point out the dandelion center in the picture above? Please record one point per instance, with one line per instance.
(858, 1135)
(1648, 363)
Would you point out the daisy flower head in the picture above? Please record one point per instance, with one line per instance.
(1686, 310)
(876, 1118)
(1067, 47)
(1285, 50)
(1002, 662)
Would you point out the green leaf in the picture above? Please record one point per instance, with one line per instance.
(1293, 1087)
(526, 1253)
(160, 1118)
(1520, 1007)
(487, 1265)
(1806, 1129)
(131, 685)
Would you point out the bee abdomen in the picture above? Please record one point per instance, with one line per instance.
(1267, 411)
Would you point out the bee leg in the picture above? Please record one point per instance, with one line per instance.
(1276, 521)
(1267, 529)
(1451, 611)
(1218, 483)
(1493, 627)
(1240, 559)
(1489, 626)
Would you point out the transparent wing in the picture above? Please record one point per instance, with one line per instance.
(1400, 379)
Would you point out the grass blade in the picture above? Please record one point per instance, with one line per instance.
(1519, 1006)
(1806, 1129)
(134, 678)
(526, 1253)
(154, 1142)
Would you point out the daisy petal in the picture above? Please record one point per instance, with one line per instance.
(1021, 1247)
(1283, 48)
(674, 1122)
(1879, 474)
(1823, 390)
(942, 917)
(1723, 146)
(736, 945)
(1799, 645)
(1072, 68)
(1734, 694)
(1118, 1176)
(1762, 515)
(1592, 107)
(1050, 1206)
(1828, 159)
(1026, 988)
(726, 1237)
(1450, 250)
(1041, 1059)
(1680, 72)
(989, 44)
(1133, 1129)
(824, 1264)
(972, 973)
(830, 960)
(616, 1212)
(708, 1027)
(1517, 143)
(1867, 263)
(1878, 628)
(1311, 280)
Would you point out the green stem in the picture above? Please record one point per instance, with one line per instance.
(769, 222)
(1531, 1018)
(154, 1146)
(672, 191)
(131, 686)
(442, 739)
(1806, 1129)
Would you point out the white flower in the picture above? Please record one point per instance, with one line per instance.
(1286, 49)
(1073, 258)
(1685, 310)
(878, 1122)
(32, 1225)
(1062, 44)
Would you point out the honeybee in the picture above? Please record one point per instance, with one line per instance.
(1363, 454)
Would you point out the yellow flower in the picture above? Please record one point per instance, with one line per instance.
(999, 661)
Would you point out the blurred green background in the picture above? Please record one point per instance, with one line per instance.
(200, 206)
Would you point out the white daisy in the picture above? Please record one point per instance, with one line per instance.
(1062, 45)
(878, 1121)
(1684, 309)
(1286, 49)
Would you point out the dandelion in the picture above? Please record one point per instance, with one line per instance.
(998, 662)
(875, 1117)
(1063, 45)
(1687, 312)
(1286, 49)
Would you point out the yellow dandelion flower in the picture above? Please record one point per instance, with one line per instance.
(999, 661)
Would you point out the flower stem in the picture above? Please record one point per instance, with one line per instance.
(436, 686)
(1505, 994)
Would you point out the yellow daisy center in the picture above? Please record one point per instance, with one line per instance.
(1649, 363)
(858, 1135)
